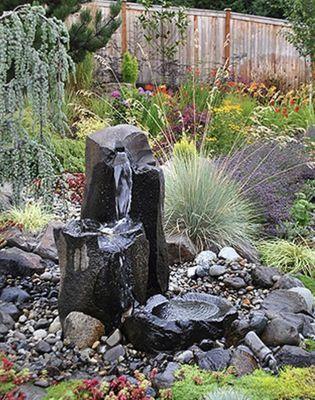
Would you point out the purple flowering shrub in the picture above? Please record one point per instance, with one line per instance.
(271, 173)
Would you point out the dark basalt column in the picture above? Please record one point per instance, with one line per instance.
(101, 274)
(147, 192)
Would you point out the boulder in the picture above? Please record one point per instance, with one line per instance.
(229, 254)
(243, 361)
(46, 247)
(82, 330)
(287, 282)
(205, 258)
(176, 324)
(280, 332)
(10, 309)
(17, 262)
(166, 378)
(15, 237)
(307, 295)
(295, 356)
(234, 282)
(281, 301)
(214, 360)
(217, 270)
(264, 277)
(179, 249)
(6, 323)
(256, 322)
(114, 354)
(147, 195)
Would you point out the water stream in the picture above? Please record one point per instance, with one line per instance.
(123, 184)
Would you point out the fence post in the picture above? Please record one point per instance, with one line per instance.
(196, 42)
(124, 44)
(227, 37)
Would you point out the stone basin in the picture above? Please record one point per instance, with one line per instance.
(175, 324)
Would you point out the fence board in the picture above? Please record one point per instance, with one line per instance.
(258, 48)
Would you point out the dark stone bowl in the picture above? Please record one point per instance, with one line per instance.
(170, 325)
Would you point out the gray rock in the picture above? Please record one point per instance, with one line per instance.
(46, 247)
(55, 326)
(6, 196)
(17, 262)
(307, 296)
(234, 282)
(42, 323)
(214, 360)
(10, 309)
(82, 330)
(39, 334)
(191, 272)
(33, 392)
(14, 295)
(114, 354)
(295, 356)
(179, 249)
(229, 254)
(202, 271)
(280, 301)
(288, 282)
(6, 323)
(205, 258)
(114, 338)
(265, 277)
(43, 347)
(280, 332)
(165, 379)
(185, 357)
(243, 361)
(217, 270)
(46, 276)
(302, 323)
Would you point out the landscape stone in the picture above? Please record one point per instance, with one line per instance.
(191, 272)
(265, 277)
(43, 347)
(114, 338)
(179, 249)
(55, 326)
(14, 295)
(280, 301)
(234, 282)
(307, 296)
(166, 378)
(39, 334)
(217, 270)
(229, 254)
(205, 258)
(114, 353)
(82, 330)
(243, 361)
(214, 360)
(46, 247)
(10, 309)
(185, 357)
(295, 356)
(280, 332)
(202, 271)
(17, 262)
(287, 282)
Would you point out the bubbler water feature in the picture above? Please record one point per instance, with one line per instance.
(115, 257)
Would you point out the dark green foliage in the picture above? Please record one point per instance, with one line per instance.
(70, 153)
(308, 282)
(130, 70)
(89, 33)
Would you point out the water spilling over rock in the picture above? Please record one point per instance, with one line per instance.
(116, 254)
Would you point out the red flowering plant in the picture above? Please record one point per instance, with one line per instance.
(11, 379)
(72, 187)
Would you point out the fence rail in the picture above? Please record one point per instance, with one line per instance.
(254, 46)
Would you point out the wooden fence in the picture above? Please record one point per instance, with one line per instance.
(253, 46)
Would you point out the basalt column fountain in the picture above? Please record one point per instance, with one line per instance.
(115, 255)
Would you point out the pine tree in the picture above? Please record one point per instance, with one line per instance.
(88, 33)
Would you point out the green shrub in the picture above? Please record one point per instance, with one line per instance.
(227, 394)
(289, 257)
(32, 216)
(205, 204)
(130, 69)
(309, 344)
(84, 74)
(70, 152)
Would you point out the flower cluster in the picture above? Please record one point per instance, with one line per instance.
(10, 380)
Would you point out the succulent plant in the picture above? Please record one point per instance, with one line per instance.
(226, 394)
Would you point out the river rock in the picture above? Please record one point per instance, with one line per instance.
(264, 277)
(147, 195)
(295, 356)
(205, 258)
(14, 295)
(82, 330)
(17, 262)
(217, 270)
(214, 360)
(166, 378)
(234, 282)
(280, 332)
(179, 249)
(229, 254)
(114, 353)
(287, 282)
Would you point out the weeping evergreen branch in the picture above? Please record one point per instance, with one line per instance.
(34, 67)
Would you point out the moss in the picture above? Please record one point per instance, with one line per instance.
(291, 384)
(308, 282)
(62, 390)
(310, 344)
